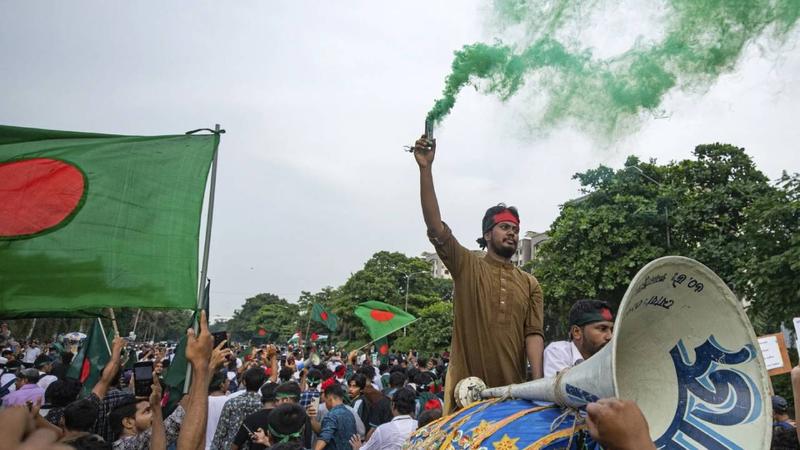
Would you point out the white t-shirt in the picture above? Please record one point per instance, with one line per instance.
(215, 404)
(391, 435)
(560, 355)
(45, 380)
(31, 353)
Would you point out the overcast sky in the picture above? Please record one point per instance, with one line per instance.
(318, 99)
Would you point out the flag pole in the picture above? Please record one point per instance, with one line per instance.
(103, 332)
(206, 247)
(136, 320)
(308, 324)
(113, 320)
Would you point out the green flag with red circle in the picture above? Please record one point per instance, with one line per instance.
(323, 316)
(90, 221)
(381, 319)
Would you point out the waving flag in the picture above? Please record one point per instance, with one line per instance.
(381, 319)
(325, 317)
(90, 221)
(88, 364)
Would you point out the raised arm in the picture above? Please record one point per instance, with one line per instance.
(424, 152)
(198, 351)
(111, 369)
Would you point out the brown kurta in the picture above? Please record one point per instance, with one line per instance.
(496, 306)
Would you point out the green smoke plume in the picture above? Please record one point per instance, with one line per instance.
(701, 39)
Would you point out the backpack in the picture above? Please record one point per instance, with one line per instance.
(4, 389)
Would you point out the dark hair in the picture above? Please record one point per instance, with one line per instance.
(359, 379)
(383, 367)
(397, 379)
(125, 410)
(422, 362)
(66, 358)
(80, 415)
(404, 401)
(315, 374)
(253, 378)
(368, 371)
(288, 389)
(326, 373)
(428, 416)
(89, 442)
(61, 393)
(335, 390)
(423, 378)
(286, 422)
(583, 306)
(217, 380)
(286, 374)
(488, 219)
(268, 392)
(412, 372)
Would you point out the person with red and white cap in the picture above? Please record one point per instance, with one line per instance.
(497, 308)
(591, 326)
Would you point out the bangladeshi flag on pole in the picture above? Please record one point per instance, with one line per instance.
(382, 345)
(90, 221)
(88, 364)
(327, 318)
(381, 319)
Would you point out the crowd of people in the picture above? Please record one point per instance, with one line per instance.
(279, 397)
(305, 397)
(265, 396)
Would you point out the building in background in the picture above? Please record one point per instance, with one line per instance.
(527, 250)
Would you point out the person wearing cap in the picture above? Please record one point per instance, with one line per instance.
(497, 308)
(27, 390)
(591, 325)
(45, 365)
(780, 413)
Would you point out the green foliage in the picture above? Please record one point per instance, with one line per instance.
(716, 208)
(433, 330)
(269, 311)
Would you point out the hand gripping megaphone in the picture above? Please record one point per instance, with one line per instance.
(684, 350)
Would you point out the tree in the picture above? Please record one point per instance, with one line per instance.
(269, 311)
(599, 241)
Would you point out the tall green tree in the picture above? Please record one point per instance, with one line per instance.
(599, 241)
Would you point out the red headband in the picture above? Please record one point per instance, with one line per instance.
(505, 216)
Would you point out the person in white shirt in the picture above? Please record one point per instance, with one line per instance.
(32, 352)
(44, 364)
(591, 325)
(392, 435)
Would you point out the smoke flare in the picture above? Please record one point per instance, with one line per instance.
(702, 39)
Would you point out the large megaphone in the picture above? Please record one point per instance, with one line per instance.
(684, 350)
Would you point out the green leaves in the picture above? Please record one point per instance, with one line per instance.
(718, 208)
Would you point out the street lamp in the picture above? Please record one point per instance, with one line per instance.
(666, 208)
(408, 280)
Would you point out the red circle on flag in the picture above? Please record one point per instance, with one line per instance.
(384, 349)
(37, 195)
(262, 332)
(381, 316)
(323, 315)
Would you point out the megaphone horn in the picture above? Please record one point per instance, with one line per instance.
(684, 350)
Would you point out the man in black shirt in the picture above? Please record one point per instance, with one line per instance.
(259, 419)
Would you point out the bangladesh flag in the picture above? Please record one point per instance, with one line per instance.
(383, 349)
(320, 314)
(175, 377)
(89, 221)
(381, 319)
(88, 364)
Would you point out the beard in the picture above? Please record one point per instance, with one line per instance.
(503, 250)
